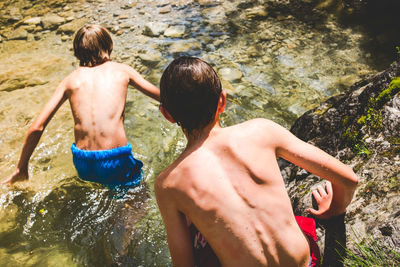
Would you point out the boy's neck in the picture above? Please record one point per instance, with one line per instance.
(197, 137)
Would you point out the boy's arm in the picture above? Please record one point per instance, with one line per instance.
(149, 89)
(179, 241)
(320, 163)
(35, 132)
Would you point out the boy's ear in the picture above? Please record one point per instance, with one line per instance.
(221, 102)
(166, 114)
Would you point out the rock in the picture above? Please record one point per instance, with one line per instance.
(230, 74)
(362, 127)
(72, 27)
(33, 21)
(18, 34)
(29, 28)
(30, 37)
(184, 46)
(347, 80)
(15, 13)
(165, 9)
(64, 38)
(52, 21)
(151, 58)
(256, 13)
(205, 2)
(126, 25)
(123, 16)
(155, 28)
(175, 31)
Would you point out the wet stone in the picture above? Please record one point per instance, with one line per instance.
(175, 31)
(52, 21)
(18, 34)
(64, 38)
(183, 46)
(155, 28)
(71, 27)
(126, 25)
(33, 21)
(151, 59)
(230, 74)
(165, 9)
(29, 28)
(256, 13)
(123, 16)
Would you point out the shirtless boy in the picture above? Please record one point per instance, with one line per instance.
(227, 183)
(97, 93)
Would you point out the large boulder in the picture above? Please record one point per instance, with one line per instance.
(361, 128)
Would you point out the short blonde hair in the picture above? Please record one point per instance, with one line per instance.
(92, 45)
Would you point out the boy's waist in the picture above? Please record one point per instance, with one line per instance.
(101, 154)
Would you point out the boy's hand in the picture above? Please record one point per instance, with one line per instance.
(324, 199)
(16, 176)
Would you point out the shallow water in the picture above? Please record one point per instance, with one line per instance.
(272, 65)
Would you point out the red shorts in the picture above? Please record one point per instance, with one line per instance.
(309, 229)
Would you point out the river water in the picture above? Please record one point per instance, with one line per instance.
(273, 63)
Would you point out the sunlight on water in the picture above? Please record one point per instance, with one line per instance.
(272, 65)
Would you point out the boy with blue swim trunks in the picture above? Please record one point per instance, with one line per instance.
(97, 93)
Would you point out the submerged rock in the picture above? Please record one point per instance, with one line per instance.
(52, 21)
(18, 34)
(175, 31)
(71, 27)
(34, 21)
(155, 28)
(230, 74)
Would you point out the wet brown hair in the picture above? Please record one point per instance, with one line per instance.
(92, 45)
(189, 91)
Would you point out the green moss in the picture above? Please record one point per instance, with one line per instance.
(362, 120)
(387, 94)
(370, 121)
(346, 121)
(322, 110)
(394, 183)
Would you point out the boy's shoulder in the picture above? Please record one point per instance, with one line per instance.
(258, 126)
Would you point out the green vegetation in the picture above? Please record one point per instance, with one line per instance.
(369, 121)
(386, 94)
(370, 252)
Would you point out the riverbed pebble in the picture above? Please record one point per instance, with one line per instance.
(165, 9)
(33, 21)
(151, 58)
(155, 28)
(52, 21)
(230, 74)
(175, 31)
(18, 34)
(183, 46)
(71, 27)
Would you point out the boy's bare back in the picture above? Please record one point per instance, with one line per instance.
(232, 190)
(97, 97)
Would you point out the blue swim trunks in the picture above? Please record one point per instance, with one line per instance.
(113, 167)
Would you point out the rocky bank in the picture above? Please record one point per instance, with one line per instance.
(362, 128)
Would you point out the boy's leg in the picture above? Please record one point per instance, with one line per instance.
(335, 241)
